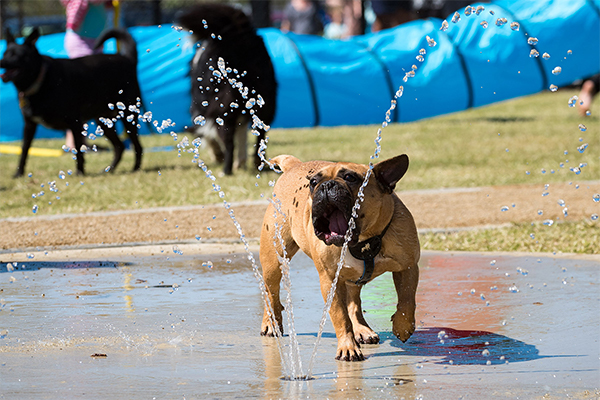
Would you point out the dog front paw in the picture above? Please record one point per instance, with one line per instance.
(403, 326)
(267, 329)
(349, 350)
(365, 335)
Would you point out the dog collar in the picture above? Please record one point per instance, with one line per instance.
(367, 250)
(35, 87)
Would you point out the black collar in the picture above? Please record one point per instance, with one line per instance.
(367, 250)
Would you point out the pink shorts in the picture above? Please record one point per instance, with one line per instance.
(78, 46)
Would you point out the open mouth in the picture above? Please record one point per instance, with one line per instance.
(9, 75)
(331, 225)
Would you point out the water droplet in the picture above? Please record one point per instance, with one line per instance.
(493, 262)
(455, 17)
(198, 237)
(532, 235)
(430, 41)
(422, 52)
(501, 21)
(561, 202)
(504, 208)
(176, 250)
(594, 217)
(548, 222)
(485, 353)
(61, 175)
(540, 212)
(444, 26)
(572, 101)
(420, 58)
(30, 256)
(553, 88)
(596, 197)
(556, 70)
(534, 53)
(35, 208)
(484, 24)
(514, 26)
(472, 291)
(532, 41)
(582, 148)
(219, 121)
(565, 212)
(513, 289)
(546, 56)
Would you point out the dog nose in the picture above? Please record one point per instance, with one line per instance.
(328, 185)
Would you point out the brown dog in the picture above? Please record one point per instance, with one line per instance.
(316, 198)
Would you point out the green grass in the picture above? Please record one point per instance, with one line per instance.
(465, 149)
(567, 237)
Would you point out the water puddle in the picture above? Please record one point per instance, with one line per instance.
(187, 328)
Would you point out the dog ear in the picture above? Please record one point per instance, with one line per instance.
(9, 36)
(390, 171)
(285, 162)
(33, 37)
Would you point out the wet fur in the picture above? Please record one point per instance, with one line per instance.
(74, 91)
(297, 192)
(244, 51)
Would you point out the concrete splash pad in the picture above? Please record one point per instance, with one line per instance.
(488, 327)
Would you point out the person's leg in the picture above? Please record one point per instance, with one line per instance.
(589, 89)
(76, 46)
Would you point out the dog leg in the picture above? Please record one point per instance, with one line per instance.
(362, 332)
(348, 348)
(241, 142)
(78, 139)
(227, 134)
(403, 320)
(28, 134)
(119, 147)
(137, 146)
(257, 160)
(270, 254)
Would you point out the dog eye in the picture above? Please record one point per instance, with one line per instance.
(350, 178)
(313, 182)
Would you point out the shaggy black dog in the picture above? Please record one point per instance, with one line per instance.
(233, 82)
(66, 93)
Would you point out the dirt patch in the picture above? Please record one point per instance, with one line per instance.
(432, 209)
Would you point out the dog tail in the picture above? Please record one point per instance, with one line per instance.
(285, 162)
(128, 47)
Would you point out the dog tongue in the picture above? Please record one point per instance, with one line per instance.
(337, 223)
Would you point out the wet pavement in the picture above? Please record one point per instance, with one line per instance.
(187, 326)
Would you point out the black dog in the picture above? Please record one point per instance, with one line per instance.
(66, 93)
(233, 81)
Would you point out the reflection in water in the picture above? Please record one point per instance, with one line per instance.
(37, 265)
